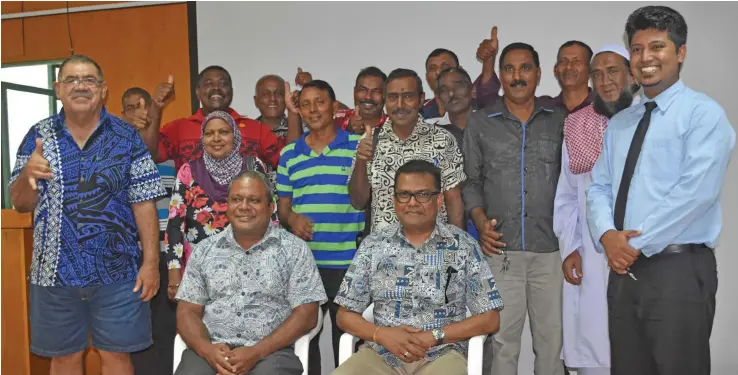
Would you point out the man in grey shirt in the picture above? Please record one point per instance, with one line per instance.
(249, 292)
(512, 156)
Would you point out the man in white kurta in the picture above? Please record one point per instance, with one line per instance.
(586, 340)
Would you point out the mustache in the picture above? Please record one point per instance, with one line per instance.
(519, 82)
(400, 111)
(82, 93)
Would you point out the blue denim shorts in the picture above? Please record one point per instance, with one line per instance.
(63, 318)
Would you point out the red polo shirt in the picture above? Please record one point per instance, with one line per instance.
(179, 140)
(343, 116)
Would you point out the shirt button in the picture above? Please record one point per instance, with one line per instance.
(83, 158)
(238, 313)
(525, 192)
(238, 335)
(243, 293)
(81, 179)
(525, 169)
(525, 215)
(244, 273)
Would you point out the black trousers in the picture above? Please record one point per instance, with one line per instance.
(158, 358)
(660, 324)
(332, 279)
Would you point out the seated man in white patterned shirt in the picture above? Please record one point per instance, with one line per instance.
(249, 292)
(421, 274)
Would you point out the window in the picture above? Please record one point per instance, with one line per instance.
(27, 98)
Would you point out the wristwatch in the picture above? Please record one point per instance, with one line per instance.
(439, 335)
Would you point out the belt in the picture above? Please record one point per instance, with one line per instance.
(685, 248)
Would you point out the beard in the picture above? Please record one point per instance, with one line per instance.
(609, 109)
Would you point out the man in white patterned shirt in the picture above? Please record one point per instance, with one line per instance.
(404, 137)
(422, 275)
(249, 292)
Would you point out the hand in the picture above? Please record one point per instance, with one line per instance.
(365, 150)
(302, 77)
(141, 116)
(215, 354)
(401, 340)
(37, 167)
(243, 359)
(488, 48)
(573, 262)
(164, 93)
(175, 278)
(148, 280)
(427, 340)
(301, 227)
(489, 238)
(620, 255)
(356, 123)
(291, 99)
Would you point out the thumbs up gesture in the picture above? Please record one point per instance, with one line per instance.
(164, 93)
(488, 48)
(356, 123)
(141, 116)
(365, 150)
(291, 99)
(302, 77)
(38, 168)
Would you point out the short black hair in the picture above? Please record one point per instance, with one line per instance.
(371, 71)
(420, 166)
(320, 85)
(440, 51)
(576, 43)
(213, 67)
(266, 77)
(459, 70)
(520, 46)
(136, 91)
(660, 18)
(81, 59)
(404, 73)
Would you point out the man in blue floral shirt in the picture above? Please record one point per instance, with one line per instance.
(91, 184)
(422, 275)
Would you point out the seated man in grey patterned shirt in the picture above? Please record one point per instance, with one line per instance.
(422, 275)
(249, 292)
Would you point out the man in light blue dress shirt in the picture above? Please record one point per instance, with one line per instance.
(655, 209)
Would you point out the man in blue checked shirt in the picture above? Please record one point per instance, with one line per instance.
(91, 184)
(654, 207)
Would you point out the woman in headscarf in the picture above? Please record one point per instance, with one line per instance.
(197, 209)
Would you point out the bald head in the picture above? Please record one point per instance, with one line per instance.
(269, 97)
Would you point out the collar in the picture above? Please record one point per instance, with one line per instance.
(499, 108)
(283, 124)
(664, 100)
(104, 119)
(271, 235)
(559, 99)
(342, 138)
(199, 116)
(421, 128)
(441, 232)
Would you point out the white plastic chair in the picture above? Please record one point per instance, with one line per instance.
(302, 345)
(473, 361)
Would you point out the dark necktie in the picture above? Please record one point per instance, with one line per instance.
(630, 163)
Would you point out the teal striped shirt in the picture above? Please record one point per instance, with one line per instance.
(318, 186)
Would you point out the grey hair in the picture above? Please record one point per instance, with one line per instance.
(257, 175)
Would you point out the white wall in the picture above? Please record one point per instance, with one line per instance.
(334, 40)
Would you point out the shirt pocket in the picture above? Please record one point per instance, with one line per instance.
(548, 149)
(661, 158)
(392, 280)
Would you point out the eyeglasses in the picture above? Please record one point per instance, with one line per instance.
(86, 81)
(420, 196)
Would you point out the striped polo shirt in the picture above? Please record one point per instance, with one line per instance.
(318, 186)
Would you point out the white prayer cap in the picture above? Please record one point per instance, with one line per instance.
(615, 48)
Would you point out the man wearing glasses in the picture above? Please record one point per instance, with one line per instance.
(404, 137)
(92, 185)
(422, 275)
